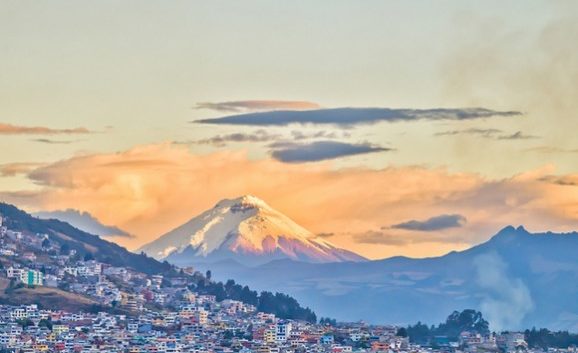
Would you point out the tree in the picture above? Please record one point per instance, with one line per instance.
(45, 323)
(456, 323)
(228, 334)
(467, 320)
(283, 306)
(208, 275)
(401, 332)
(65, 249)
(544, 338)
(419, 333)
(25, 323)
(328, 321)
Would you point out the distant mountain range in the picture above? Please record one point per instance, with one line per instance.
(83, 221)
(517, 279)
(248, 231)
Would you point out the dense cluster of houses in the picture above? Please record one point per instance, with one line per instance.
(203, 325)
(33, 260)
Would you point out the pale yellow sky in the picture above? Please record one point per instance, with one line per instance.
(132, 73)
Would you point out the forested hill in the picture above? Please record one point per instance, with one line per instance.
(282, 305)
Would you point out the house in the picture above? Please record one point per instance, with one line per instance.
(12, 272)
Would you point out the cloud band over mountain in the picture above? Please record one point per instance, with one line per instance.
(153, 186)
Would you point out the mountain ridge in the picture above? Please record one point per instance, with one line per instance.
(509, 278)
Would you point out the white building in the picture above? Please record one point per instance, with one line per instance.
(32, 277)
(12, 272)
(283, 331)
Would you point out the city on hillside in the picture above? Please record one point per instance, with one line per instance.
(55, 299)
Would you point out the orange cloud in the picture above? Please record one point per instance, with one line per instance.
(9, 129)
(150, 189)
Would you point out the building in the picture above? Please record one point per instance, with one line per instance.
(512, 341)
(283, 331)
(32, 277)
(12, 272)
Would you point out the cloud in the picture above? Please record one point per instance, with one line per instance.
(495, 134)
(434, 223)
(154, 188)
(9, 129)
(518, 135)
(472, 131)
(325, 234)
(54, 142)
(255, 105)
(262, 135)
(84, 221)
(222, 140)
(354, 116)
(13, 169)
(381, 238)
(564, 180)
(320, 151)
(300, 135)
(391, 237)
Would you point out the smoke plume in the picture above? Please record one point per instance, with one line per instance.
(505, 299)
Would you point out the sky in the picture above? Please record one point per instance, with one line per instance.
(388, 127)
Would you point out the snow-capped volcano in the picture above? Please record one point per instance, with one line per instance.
(245, 229)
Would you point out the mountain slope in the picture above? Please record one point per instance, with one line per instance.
(517, 279)
(245, 229)
(80, 241)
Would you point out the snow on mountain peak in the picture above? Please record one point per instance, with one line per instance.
(245, 227)
(245, 200)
